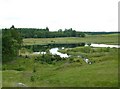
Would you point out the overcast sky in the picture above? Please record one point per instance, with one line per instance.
(81, 15)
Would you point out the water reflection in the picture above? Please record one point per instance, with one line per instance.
(54, 51)
(104, 45)
(39, 52)
(38, 48)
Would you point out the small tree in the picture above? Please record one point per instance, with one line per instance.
(11, 43)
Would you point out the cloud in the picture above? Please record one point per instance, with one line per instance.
(86, 15)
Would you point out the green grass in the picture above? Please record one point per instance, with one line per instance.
(105, 39)
(102, 73)
(0, 79)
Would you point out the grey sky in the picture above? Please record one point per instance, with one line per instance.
(81, 15)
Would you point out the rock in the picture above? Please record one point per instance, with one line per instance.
(20, 85)
(90, 62)
(86, 60)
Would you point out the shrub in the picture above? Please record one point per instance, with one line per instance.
(32, 78)
(3, 68)
(70, 59)
(57, 57)
(87, 49)
(48, 58)
(107, 49)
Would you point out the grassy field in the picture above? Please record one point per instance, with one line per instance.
(105, 39)
(72, 72)
(102, 73)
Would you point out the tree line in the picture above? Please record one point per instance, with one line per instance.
(99, 33)
(45, 33)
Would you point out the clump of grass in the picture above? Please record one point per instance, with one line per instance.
(20, 68)
(34, 69)
(32, 78)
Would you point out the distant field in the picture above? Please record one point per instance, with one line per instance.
(105, 39)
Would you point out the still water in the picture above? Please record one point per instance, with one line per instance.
(54, 51)
(104, 45)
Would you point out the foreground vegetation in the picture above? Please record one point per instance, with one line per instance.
(11, 43)
(65, 73)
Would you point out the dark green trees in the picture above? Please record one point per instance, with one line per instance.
(11, 43)
(45, 33)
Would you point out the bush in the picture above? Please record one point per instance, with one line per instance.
(48, 58)
(3, 68)
(107, 49)
(32, 78)
(57, 57)
(70, 59)
(87, 49)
